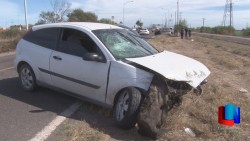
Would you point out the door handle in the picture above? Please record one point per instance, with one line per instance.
(57, 57)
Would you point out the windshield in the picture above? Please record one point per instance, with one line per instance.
(124, 44)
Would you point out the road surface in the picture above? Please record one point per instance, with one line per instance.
(24, 114)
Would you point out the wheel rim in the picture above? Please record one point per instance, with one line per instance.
(122, 105)
(26, 78)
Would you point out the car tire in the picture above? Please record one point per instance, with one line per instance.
(126, 108)
(27, 78)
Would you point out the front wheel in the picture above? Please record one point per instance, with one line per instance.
(27, 78)
(126, 108)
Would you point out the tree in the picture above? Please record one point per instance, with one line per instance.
(46, 17)
(78, 15)
(105, 20)
(59, 10)
(139, 23)
(182, 24)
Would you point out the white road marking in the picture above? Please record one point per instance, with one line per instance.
(47, 130)
(7, 69)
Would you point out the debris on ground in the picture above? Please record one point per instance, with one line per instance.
(189, 132)
(161, 97)
(243, 90)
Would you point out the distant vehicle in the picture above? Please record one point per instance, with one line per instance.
(168, 31)
(143, 31)
(128, 28)
(102, 63)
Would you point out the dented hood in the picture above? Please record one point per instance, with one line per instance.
(175, 67)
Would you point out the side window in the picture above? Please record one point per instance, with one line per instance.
(43, 37)
(76, 43)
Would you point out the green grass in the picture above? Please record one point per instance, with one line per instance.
(238, 33)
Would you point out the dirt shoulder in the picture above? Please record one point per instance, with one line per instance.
(229, 64)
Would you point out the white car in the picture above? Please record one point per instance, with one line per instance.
(144, 31)
(105, 64)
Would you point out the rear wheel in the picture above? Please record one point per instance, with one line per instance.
(27, 78)
(126, 108)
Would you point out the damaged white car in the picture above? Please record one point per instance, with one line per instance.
(102, 63)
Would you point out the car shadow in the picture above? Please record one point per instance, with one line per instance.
(100, 119)
(45, 100)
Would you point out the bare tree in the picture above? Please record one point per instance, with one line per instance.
(60, 9)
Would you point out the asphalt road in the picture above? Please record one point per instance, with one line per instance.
(23, 114)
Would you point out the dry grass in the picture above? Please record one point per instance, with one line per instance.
(8, 45)
(9, 39)
(230, 71)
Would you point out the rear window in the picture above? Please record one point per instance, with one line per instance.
(43, 37)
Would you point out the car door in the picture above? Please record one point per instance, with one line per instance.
(38, 47)
(69, 71)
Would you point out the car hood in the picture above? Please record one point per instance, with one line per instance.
(175, 67)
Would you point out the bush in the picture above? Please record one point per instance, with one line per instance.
(206, 29)
(11, 33)
(246, 32)
(225, 30)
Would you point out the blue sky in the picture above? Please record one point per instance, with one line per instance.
(150, 12)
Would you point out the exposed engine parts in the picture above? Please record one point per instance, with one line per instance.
(162, 95)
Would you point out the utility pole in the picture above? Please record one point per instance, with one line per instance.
(166, 20)
(26, 18)
(203, 19)
(166, 24)
(177, 17)
(123, 22)
(180, 17)
(112, 19)
(170, 24)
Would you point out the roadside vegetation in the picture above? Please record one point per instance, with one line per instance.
(9, 39)
(229, 64)
(246, 32)
(224, 30)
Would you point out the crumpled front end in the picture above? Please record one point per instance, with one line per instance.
(175, 67)
(174, 76)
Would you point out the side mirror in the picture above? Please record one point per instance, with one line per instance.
(92, 57)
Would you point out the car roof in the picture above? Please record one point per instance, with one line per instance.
(89, 25)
